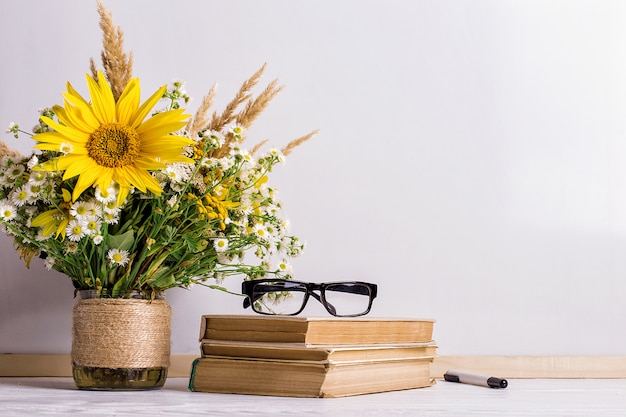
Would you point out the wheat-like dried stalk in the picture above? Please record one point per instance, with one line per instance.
(297, 142)
(200, 120)
(255, 107)
(228, 115)
(258, 146)
(6, 151)
(118, 66)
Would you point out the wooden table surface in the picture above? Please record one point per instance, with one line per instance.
(524, 397)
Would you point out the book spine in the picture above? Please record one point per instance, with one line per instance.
(193, 374)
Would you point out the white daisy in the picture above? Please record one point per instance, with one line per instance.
(93, 227)
(285, 267)
(66, 148)
(277, 153)
(111, 218)
(261, 232)
(32, 162)
(80, 210)
(237, 130)
(111, 207)
(37, 177)
(20, 196)
(34, 189)
(118, 257)
(178, 172)
(75, 230)
(216, 138)
(7, 210)
(220, 245)
(14, 171)
(97, 239)
(106, 196)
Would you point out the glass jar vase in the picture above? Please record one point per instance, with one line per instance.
(121, 342)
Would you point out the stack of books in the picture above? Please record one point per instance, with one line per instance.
(312, 356)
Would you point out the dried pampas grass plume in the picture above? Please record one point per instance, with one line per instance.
(118, 66)
(6, 151)
(297, 142)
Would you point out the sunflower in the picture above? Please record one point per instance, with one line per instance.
(107, 141)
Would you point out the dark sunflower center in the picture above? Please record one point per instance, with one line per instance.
(113, 145)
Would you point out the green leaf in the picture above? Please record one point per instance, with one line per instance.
(162, 279)
(122, 242)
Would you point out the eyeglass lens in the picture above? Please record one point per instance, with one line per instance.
(340, 299)
(348, 299)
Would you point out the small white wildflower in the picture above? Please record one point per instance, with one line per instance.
(34, 189)
(40, 236)
(49, 263)
(261, 232)
(80, 210)
(118, 257)
(75, 230)
(7, 210)
(172, 201)
(277, 153)
(285, 267)
(220, 245)
(111, 207)
(237, 130)
(217, 139)
(66, 148)
(93, 227)
(111, 218)
(14, 171)
(106, 196)
(33, 162)
(20, 196)
(97, 239)
(178, 172)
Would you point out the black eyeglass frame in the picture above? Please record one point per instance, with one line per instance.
(247, 289)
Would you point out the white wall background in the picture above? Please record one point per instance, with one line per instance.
(472, 159)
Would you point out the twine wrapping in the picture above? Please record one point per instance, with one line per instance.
(121, 333)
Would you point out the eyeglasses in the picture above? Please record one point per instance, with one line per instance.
(286, 297)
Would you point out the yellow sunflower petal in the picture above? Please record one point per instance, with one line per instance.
(102, 101)
(71, 118)
(47, 147)
(110, 141)
(76, 98)
(82, 110)
(145, 108)
(105, 179)
(66, 131)
(141, 179)
(163, 123)
(85, 180)
(121, 196)
(128, 102)
(51, 137)
(149, 164)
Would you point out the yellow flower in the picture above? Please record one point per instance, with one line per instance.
(110, 141)
(55, 220)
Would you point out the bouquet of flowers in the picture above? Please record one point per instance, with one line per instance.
(119, 196)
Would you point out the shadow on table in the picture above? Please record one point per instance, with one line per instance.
(65, 384)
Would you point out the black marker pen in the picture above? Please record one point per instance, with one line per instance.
(482, 380)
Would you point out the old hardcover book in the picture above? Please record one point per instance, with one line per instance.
(302, 352)
(316, 330)
(307, 378)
